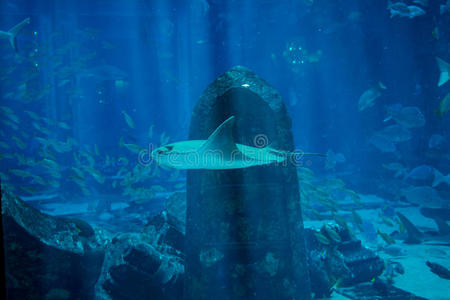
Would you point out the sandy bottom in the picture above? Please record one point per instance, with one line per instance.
(417, 279)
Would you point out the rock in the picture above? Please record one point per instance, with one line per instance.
(347, 260)
(48, 257)
(165, 230)
(134, 269)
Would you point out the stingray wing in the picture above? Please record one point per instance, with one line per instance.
(222, 140)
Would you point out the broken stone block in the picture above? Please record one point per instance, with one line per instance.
(48, 257)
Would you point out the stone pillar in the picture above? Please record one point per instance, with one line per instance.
(244, 227)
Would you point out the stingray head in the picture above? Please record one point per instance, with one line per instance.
(180, 155)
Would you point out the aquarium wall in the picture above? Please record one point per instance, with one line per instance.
(229, 149)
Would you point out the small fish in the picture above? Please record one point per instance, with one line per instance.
(128, 119)
(133, 148)
(78, 172)
(20, 173)
(28, 189)
(123, 161)
(13, 118)
(444, 106)
(85, 191)
(422, 172)
(80, 181)
(386, 220)
(353, 195)
(10, 124)
(3, 177)
(63, 125)
(403, 10)
(396, 167)
(435, 33)
(39, 180)
(415, 11)
(19, 142)
(150, 131)
(444, 69)
(322, 238)
(180, 185)
(305, 174)
(4, 145)
(408, 117)
(386, 237)
(96, 174)
(50, 164)
(40, 128)
(163, 139)
(89, 158)
(367, 99)
(401, 226)
(61, 147)
(395, 133)
(382, 143)
(158, 189)
(96, 150)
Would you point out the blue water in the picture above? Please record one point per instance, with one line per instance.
(96, 75)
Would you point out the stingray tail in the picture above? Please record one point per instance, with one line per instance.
(313, 154)
(297, 154)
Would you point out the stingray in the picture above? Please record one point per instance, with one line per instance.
(220, 152)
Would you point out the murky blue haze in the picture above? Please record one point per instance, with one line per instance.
(89, 85)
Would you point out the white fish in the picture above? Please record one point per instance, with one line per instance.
(395, 133)
(382, 144)
(408, 117)
(403, 10)
(444, 69)
(11, 34)
(367, 99)
(398, 168)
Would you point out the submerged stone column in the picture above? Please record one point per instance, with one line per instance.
(244, 227)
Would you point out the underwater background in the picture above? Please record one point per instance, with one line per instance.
(90, 88)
